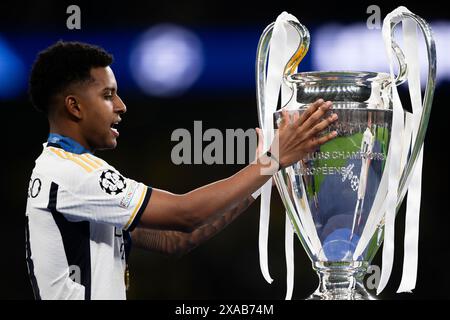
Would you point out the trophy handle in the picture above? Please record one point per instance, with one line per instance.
(302, 49)
(428, 99)
(262, 59)
(262, 55)
(403, 68)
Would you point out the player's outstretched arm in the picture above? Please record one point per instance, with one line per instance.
(187, 212)
(179, 243)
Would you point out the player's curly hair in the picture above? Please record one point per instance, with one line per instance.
(61, 65)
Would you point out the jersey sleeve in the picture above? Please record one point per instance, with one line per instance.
(105, 196)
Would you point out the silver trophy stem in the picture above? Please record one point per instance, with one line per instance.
(341, 281)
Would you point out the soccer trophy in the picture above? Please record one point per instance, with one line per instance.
(341, 200)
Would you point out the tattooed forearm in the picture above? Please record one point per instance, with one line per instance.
(179, 243)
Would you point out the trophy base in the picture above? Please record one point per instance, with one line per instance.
(341, 281)
(359, 293)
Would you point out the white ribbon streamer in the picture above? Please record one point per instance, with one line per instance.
(413, 185)
(281, 49)
(289, 251)
(394, 156)
(292, 38)
(411, 243)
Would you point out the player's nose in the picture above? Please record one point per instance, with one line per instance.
(120, 106)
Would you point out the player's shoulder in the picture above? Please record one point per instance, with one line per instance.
(66, 167)
(80, 163)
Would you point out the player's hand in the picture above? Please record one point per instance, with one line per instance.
(260, 148)
(299, 135)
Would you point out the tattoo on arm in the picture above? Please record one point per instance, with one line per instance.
(178, 243)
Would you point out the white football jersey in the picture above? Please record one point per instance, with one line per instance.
(77, 211)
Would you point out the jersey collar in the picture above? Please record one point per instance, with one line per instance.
(66, 143)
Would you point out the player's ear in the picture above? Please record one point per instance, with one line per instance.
(71, 103)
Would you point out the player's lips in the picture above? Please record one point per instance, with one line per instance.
(114, 130)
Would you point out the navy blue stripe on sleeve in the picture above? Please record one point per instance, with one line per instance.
(137, 218)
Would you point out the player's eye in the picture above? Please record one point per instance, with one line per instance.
(109, 94)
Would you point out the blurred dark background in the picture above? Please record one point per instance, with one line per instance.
(211, 49)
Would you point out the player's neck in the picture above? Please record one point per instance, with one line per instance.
(68, 131)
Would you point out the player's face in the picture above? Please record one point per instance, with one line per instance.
(102, 110)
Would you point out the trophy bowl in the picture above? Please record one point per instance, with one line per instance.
(329, 194)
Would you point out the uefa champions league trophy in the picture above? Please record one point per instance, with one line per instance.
(337, 197)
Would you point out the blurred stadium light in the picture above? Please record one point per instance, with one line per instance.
(355, 47)
(167, 60)
(441, 30)
(12, 72)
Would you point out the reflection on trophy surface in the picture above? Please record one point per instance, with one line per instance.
(335, 197)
